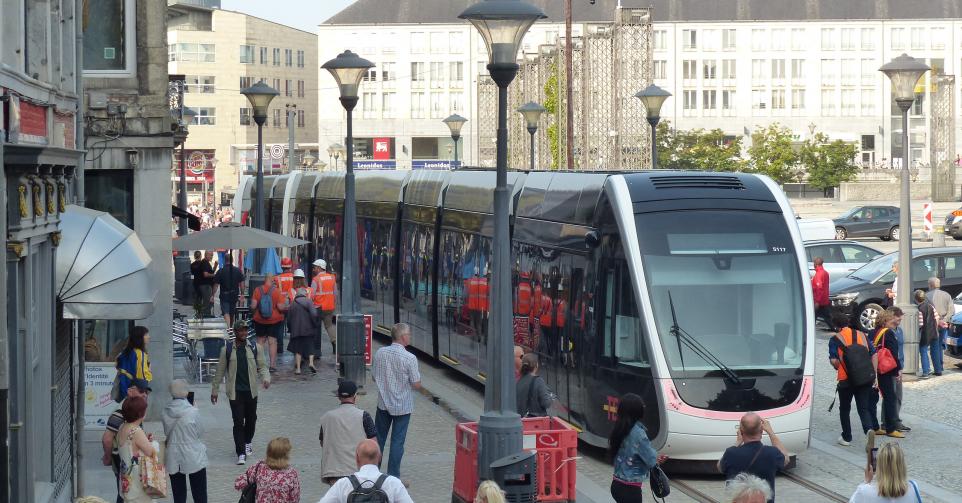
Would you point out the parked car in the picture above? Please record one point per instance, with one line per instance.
(813, 229)
(861, 294)
(953, 224)
(953, 343)
(868, 221)
(840, 257)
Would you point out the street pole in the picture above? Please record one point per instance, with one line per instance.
(455, 138)
(531, 132)
(291, 157)
(903, 297)
(350, 332)
(569, 100)
(259, 222)
(653, 121)
(182, 192)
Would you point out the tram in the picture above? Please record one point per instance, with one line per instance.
(687, 288)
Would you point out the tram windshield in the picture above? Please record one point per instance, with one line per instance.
(736, 288)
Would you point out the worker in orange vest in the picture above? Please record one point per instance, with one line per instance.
(546, 319)
(560, 319)
(476, 301)
(523, 307)
(285, 283)
(324, 295)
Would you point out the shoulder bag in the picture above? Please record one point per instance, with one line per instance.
(658, 481)
(249, 494)
(886, 361)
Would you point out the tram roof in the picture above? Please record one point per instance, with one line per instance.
(672, 185)
(380, 185)
(561, 197)
(424, 187)
(305, 187)
(473, 190)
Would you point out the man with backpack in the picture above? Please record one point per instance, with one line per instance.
(368, 484)
(269, 304)
(853, 356)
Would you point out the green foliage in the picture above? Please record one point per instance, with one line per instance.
(698, 149)
(773, 154)
(828, 163)
(552, 91)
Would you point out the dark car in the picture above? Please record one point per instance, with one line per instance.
(868, 222)
(861, 294)
(953, 224)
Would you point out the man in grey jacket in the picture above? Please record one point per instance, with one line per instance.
(946, 308)
(343, 428)
(241, 366)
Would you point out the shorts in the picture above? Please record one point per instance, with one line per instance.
(275, 330)
(228, 306)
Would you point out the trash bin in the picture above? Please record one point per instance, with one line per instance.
(516, 476)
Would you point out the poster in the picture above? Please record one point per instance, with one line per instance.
(98, 380)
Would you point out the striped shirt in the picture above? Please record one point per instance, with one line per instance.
(395, 370)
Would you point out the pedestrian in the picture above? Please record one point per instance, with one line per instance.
(518, 354)
(856, 364)
(324, 295)
(343, 427)
(820, 281)
(203, 274)
(888, 481)
(229, 280)
(269, 303)
(139, 388)
(897, 315)
(747, 488)
(884, 337)
(750, 455)
(533, 397)
(395, 371)
(631, 451)
(285, 282)
(945, 307)
(185, 453)
(489, 492)
(303, 320)
(277, 481)
(134, 443)
(133, 362)
(241, 363)
(367, 458)
(929, 344)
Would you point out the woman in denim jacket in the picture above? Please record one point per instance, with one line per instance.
(632, 451)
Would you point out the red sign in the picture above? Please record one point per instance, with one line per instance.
(368, 338)
(382, 149)
(33, 119)
(199, 164)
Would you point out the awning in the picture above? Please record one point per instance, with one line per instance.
(102, 268)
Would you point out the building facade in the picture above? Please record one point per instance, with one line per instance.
(218, 53)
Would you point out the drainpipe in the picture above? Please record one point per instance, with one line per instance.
(80, 144)
(79, 127)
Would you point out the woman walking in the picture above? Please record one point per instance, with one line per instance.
(885, 338)
(277, 481)
(533, 397)
(186, 454)
(633, 454)
(889, 481)
(133, 362)
(134, 445)
(302, 321)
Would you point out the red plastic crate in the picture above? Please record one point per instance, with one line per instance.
(554, 441)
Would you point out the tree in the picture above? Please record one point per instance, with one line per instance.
(773, 154)
(552, 90)
(698, 149)
(828, 163)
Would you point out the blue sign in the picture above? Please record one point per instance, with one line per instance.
(435, 164)
(367, 164)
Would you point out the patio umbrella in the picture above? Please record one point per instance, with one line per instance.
(271, 263)
(234, 236)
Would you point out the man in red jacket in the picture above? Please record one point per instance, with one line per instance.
(820, 293)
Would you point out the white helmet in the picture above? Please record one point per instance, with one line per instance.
(320, 263)
(299, 274)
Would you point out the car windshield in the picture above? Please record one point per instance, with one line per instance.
(876, 268)
(735, 282)
(850, 212)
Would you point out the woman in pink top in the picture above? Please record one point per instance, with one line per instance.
(277, 481)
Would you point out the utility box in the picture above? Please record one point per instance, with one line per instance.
(517, 476)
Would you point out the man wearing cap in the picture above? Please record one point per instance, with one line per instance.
(324, 294)
(343, 427)
(241, 365)
(285, 283)
(109, 441)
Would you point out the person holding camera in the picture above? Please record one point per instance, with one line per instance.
(750, 455)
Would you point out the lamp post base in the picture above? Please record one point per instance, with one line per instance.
(350, 347)
(499, 435)
(911, 338)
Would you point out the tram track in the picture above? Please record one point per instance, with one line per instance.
(815, 488)
(688, 488)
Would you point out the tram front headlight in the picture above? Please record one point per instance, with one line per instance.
(843, 299)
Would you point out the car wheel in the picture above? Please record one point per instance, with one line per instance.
(841, 233)
(868, 315)
(894, 233)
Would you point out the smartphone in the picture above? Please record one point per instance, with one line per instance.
(873, 455)
(190, 398)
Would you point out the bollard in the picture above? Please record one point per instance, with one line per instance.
(938, 238)
(927, 222)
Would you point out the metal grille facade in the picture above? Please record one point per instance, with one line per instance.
(943, 153)
(63, 409)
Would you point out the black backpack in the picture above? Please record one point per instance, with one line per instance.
(230, 351)
(857, 361)
(363, 493)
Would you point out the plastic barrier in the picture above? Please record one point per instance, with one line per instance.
(554, 442)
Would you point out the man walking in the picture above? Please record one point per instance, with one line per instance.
(241, 363)
(395, 371)
(749, 455)
(269, 304)
(929, 344)
(109, 440)
(324, 294)
(228, 280)
(823, 307)
(343, 427)
(945, 308)
(897, 315)
(367, 458)
(853, 357)
(203, 274)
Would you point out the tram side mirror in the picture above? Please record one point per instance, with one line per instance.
(592, 239)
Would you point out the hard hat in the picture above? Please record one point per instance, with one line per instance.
(299, 273)
(320, 263)
(286, 263)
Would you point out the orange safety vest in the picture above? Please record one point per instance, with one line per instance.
(285, 283)
(475, 298)
(323, 291)
(547, 309)
(536, 302)
(524, 298)
(846, 336)
(485, 299)
(562, 315)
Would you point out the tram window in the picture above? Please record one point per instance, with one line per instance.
(622, 324)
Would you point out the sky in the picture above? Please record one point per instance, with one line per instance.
(302, 14)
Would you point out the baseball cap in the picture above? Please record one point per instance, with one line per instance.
(286, 263)
(298, 273)
(346, 389)
(239, 324)
(141, 384)
(320, 263)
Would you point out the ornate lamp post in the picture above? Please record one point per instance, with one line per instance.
(348, 69)
(653, 97)
(187, 118)
(335, 150)
(905, 72)
(531, 112)
(455, 122)
(309, 159)
(502, 24)
(260, 96)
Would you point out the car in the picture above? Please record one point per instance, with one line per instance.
(953, 224)
(868, 222)
(814, 229)
(861, 294)
(953, 343)
(840, 257)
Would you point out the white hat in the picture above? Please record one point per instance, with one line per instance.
(299, 273)
(320, 263)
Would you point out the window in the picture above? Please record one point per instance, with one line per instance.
(109, 44)
(868, 39)
(369, 105)
(456, 42)
(437, 106)
(849, 39)
(778, 39)
(300, 59)
(277, 56)
(759, 99)
(418, 42)
(798, 69)
(370, 75)
(200, 84)
(918, 106)
(850, 70)
(288, 88)
(277, 84)
(799, 39)
(456, 74)
(300, 118)
(728, 69)
(418, 105)
(708, 100)
(798, 99)
(897, 36)
(778, 99)
(759, 69)
(689, 69)
(247, 54)
(387, 105)
(868, 103)
(689, 40)
(204, 116)
(660, 69)
(828, 39)
(918, 38)
(417, 73)
(953, 267)
(868, 142)
(457, 102)
(111, 191)
(869, 72)
(263, 55)
(277, 117)
(728, 99)
(689, 100)
(829, 72)
(245, 116)
(728, 39)
(759, 40)
(709, 70)
(709, 40)
(201, 53)
(661, 40)
(300, 88)
(388, 72)
(828, 102)
(778, 69)
(246, 82)
(439, 42)
(288, 57)
(437, 74)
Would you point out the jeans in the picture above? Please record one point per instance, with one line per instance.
(825, 313)
(626, 493)
(384, 421)
(886, 385)
(205, 292)
(933, 349)
(865, 399)
(898, 404)
(243, 410)
(198, 486)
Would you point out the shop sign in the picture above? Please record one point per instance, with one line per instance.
(382, 149)
(375, 164)
(98, 381)
(434, 164)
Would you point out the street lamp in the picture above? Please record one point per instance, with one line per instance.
(348, 69)
(531, 112)
(905, 72)
(653, 97)
(502, 24)
(455, 122)
(187, 118)
(335, 151)
(259, 95)
(309, 159)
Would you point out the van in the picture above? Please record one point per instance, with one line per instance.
(814, 229)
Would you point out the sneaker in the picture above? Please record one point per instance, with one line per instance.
(845, 443)
(880, 431)
(937, 374)
(925, 376)
(902, 427)
(248, 449)
(272, 370)
(896, 434)
(313, 370)
(242, 459)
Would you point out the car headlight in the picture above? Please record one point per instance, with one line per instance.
(843, 299)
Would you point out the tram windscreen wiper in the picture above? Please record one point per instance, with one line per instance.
(683, 337)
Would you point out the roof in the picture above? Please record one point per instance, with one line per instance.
(365, 12)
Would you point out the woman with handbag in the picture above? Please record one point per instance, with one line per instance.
(533, 396)
(888, 480)
(185, 453)
(633, 455)
(889, 370)
(273, 480)
(135, 447)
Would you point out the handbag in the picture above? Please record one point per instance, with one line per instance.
(886, 361)
(659, 483)
(153, 476)
(249, 494)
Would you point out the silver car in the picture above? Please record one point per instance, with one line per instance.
(840, 257)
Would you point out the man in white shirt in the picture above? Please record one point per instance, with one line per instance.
(368, 457)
